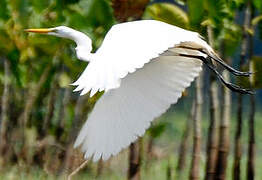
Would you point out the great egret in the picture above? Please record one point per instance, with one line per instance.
(143, 67)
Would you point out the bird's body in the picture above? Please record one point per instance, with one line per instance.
(121, 53)
(143, 67)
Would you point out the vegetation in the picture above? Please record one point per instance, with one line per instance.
(40, 115)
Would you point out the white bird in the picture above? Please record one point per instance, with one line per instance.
(143, 67)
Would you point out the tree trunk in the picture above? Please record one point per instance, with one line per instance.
(50, 107)
(168, 171)
(4, 108)
(194, 171)
(32, 95)
(238, 144)
(251, 141)
(62, 112)
(134, 160)
(251, 124)
(69, 156)
(223, 145)
(184, 142)
(100, 167)
(212, 141)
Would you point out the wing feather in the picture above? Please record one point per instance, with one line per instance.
(128, 47)
(123, 114)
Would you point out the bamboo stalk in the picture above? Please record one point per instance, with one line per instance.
(223, 144)
(196, 155)
(4, 107)
(134, 160)
(238, 144)
(212, 141)
(184, 142)
(251, 124)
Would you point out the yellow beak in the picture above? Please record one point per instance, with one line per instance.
(41, 31)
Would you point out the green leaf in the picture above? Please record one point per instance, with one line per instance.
(39, 5)
(231, 35)
(196, 13)
(217, 10)
(255, 80)
(258, 5)
(156, 130)
(256, 66)
(64, 80)
(98, 13)
(256, 20)
(168, 13)
(20, 10)
(260, 29)
(4, 13)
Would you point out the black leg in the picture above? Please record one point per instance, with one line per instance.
(209, 64)
(219, 60)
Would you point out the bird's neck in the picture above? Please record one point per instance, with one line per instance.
(84, 45)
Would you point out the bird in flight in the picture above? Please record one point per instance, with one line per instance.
(143, 67)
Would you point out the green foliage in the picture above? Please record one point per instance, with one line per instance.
(255, 81)
(157, 129)
(29, 56)
(256, 66)
(196, 13)
(168, 13)
(216, 10)
(4, 15)
(258, 5)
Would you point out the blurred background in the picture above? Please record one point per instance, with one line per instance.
(210, 133)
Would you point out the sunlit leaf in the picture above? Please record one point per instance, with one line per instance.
(255, 80)
(168, 13)
(217, 10)
(64, 80)
(231, 37)
(256, 66)
(256, 20)
(196, 13)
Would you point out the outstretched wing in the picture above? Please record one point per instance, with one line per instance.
(123, 114)
(126, 48)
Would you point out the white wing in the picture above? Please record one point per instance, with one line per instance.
(123, 114)
(127, 47)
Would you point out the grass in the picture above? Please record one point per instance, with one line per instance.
(155, 171)
(168, 143)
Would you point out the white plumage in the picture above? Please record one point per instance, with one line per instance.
(143, 66)
(129, 46)
(123, 114)
(133, 100)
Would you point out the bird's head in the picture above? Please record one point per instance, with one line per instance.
(84, 43)
(60, 31)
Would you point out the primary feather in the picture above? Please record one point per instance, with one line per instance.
(123, 114)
